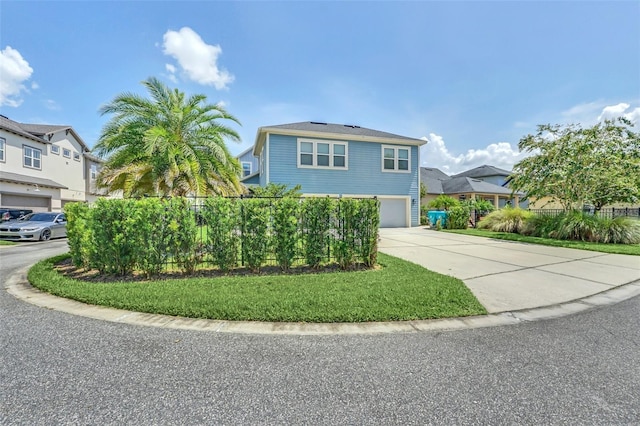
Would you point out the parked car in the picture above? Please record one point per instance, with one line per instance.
(13, 214)
(35, 227)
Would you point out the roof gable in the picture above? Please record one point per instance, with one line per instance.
(484, 171)
(38, 132)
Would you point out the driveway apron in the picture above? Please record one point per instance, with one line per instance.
(507, 275)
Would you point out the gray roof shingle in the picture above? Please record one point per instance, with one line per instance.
(345, 129)
(484, 171)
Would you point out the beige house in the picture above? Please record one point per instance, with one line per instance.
(43, 167)
(484, 182)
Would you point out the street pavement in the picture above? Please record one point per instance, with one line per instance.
(57, 368)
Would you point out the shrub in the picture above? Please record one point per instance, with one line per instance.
(367, 230)
(344, 243)
(583, 226)
(285, 231)
(507, 219)
(79, 236)
(316, 223)
(114, 236)
(458, 217)
(443, 202)
(151, 231)
(220, 216)
(184, 247)
(255, 231)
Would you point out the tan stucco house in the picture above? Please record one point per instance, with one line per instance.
(43, 167)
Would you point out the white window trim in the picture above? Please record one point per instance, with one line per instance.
(242, 163)
(331, 154)
(55, 149)
(24, 156)
(395, 158)
(93, 172)
(76, 156)
(3, 148)
(65, 151)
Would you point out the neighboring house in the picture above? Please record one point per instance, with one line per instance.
(249, 165)
(484, 182)
(44, 166)
(338, 160)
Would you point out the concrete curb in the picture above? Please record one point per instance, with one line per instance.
(18, 286)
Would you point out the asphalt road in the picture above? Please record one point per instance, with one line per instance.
(56, 368)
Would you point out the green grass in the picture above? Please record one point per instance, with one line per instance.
(399, 290)
(632, 249)
(7, 243)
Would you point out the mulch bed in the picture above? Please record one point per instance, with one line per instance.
(67, 269)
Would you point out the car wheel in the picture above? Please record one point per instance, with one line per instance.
(46, 235)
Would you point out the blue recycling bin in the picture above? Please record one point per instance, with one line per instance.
(435, 215)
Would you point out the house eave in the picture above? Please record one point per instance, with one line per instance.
(263, 131)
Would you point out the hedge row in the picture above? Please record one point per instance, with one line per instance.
(148, 235)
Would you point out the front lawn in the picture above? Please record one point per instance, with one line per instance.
(7, 243)
(632, 249)
(399, 290)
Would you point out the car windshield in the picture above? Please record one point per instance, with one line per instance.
(40, 217)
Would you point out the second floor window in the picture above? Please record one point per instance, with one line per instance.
(76, 156)
(246, 168)
(32, 157)
(55, 149)
(321, 154)
(396, 158)
(66, 153)
(2, 144)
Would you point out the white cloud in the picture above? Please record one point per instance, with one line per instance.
(52, 105)
(613, 111)
(620, 110)
(15, 71)
(436, 154)
(35, 85)
(197, 59)
(633, 116)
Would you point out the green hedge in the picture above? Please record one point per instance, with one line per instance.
(153, 235)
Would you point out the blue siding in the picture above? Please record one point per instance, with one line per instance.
(248, 157)
(363, 177)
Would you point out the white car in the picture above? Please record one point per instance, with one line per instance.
(35, 227)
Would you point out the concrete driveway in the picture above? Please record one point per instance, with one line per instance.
(508, 276)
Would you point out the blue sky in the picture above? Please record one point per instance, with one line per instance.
(471, 77)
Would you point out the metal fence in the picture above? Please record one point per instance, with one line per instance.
(610, 213)
(204, 253)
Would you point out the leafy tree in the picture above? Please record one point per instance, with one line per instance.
(599, 165)
(276, 190)
(423, 190)
(443, 202)
(167, 145)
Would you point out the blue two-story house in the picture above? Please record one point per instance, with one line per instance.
(340, 161)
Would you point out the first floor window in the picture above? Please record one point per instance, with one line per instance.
(321, 154)
(246, 168)
(395, 158)
(94, 172)
(2, 144)
(32, 157)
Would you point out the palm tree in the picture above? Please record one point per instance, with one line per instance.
(167, 145)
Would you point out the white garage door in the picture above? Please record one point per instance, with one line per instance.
(393, 213)
(37, 204)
